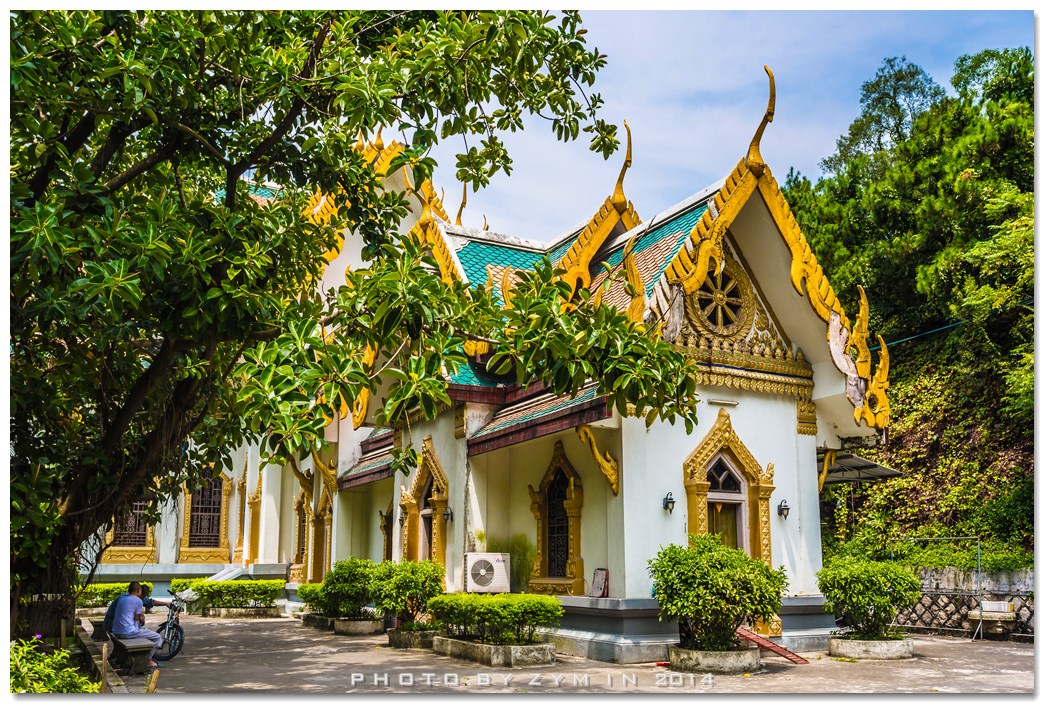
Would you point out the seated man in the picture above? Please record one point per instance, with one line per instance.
(130, 620)
(146, 599)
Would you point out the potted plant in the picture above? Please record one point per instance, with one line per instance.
(314, 598)
(867, 595)
(346, 589)
(710, 589)
(496, 630)
(404, 589)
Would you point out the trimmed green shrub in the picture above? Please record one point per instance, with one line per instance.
(346, 588)
(523, 553)
(312, 596)
(867, 594)
(406, 587)
(102, 594)
(496, 619)
(179, 584)
(710, 589)
(238, 593)
(37, 668)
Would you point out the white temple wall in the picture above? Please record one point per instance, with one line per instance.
(653, 462)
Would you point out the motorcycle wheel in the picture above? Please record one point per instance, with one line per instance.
(171, 645)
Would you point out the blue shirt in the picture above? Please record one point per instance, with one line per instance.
(110, 613)
(127, 607)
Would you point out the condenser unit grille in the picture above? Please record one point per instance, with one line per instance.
(487, 572)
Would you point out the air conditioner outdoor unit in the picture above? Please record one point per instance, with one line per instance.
(487, 572)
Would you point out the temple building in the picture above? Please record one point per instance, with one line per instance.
(786, 382)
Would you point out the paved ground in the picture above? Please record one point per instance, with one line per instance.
(282, 656)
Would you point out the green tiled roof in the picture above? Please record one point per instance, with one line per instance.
(469, 376)
(372, 465)
(561, 249)
(678, 228)
(476, 255)
(536, 410)
(265, 192)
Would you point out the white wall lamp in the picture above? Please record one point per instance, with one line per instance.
(447, 515)
(668, 502)
(783, 510)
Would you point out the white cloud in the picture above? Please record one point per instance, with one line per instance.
(692, 88)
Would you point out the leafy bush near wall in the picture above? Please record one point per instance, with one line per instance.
(710, 589)
(496, 619)
(346, 588)
(101, 594)
(179, 584)
(238, 593)
(406, 587)
(867, 595)
(523, 553)
(312, 595)
(37, 668)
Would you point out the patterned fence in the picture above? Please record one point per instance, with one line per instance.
(950, 610)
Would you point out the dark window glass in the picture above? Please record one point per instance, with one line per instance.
(130, 529)
(557, 526)
(722, 479)
(205, 515)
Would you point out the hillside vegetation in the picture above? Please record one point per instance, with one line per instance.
(928, 203)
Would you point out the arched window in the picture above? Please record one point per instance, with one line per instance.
(557, 506)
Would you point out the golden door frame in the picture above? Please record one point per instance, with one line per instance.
(214, 554)
(254, 504)
(573, 582)
(722, 438)
(410, 506)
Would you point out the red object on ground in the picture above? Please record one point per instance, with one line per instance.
(771, 646)
(663, 663)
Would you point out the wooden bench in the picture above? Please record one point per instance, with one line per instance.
(132, 653)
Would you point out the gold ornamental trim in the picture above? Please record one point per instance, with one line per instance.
(573, 582)
(806, 417)
(829, 458)
(722, 439)
(609, 467)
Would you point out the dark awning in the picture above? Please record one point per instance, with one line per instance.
(852, 468)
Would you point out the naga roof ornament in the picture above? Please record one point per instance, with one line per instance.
(615, 210)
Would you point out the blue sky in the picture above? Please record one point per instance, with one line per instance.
(692, 87)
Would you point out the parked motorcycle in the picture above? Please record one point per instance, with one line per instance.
(171, 632)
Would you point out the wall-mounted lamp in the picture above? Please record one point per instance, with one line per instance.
(668, 502)
(783, 510)
(402, 520)
(447, 515)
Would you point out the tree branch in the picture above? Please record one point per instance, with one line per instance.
(206, 143)
(161, 155)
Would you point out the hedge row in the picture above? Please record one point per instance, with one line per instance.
(101, 594)
(495, 619)
(231, 593)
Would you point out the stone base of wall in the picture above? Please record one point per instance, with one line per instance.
(496, 655)
(872, 648)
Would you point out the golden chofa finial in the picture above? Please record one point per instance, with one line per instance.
(619, 200)
(753, 160)
(360, 144)
(463, 203)
(378, 142)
